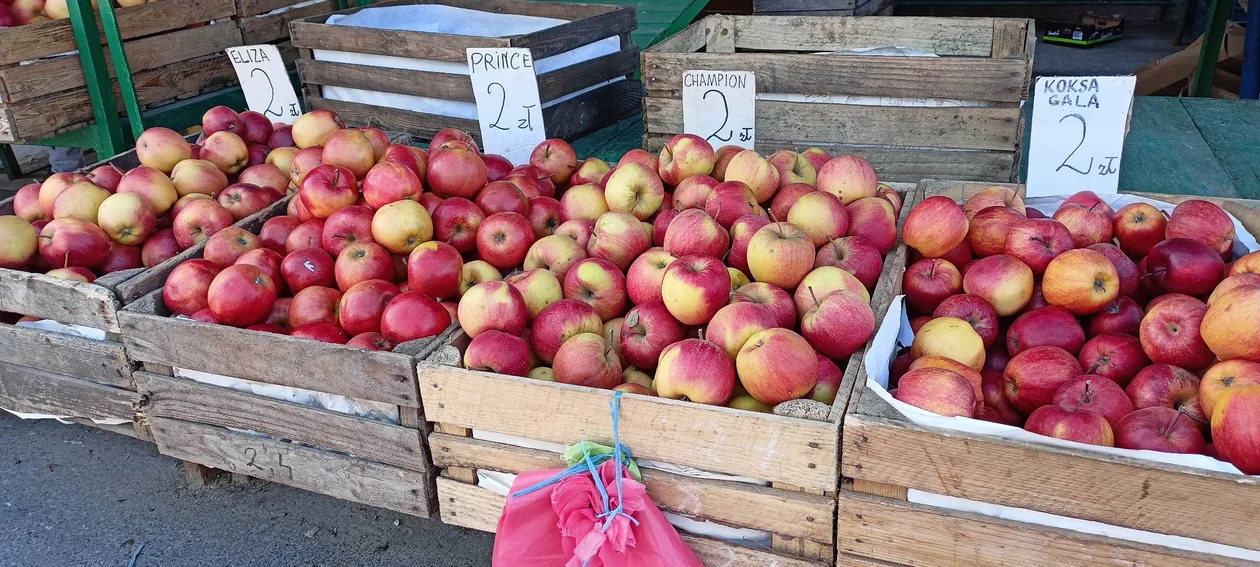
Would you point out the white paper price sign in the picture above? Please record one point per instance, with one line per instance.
(265, 82)
(1078, 128)
(508, 107)
(721, 107)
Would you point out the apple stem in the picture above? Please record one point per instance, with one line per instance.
(813, 295)
(700, 333)
(771, 213)
(67, 261)
(1088, 396)
(1097, 364)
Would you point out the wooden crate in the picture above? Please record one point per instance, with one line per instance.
(569, 119)
(982, 60)
(53, 373)
(795, 458)
(824, 7)
(174, 53)
(884, 455)
(267, 21)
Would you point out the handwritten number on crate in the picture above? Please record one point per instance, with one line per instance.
(1078, 146)
(502, 104)
(726, 115)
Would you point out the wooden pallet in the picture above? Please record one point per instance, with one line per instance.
(569, 119)
(796, 458)
(984, 60)
(168, 44)
(883, 455)
(824, 7)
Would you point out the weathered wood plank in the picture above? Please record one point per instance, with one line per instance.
(718, 439)
(1009, 38)
(103, 362)
(263, 29)
(972, 128)
(433, 46)
(913, 534)
(30, 390)
(185, 399)
(689, 40)
(271, 358)
(1130, 492)
(74, 303)
(590, 111)
(943, 36)
(576, 33)
(339, 476)
(771, 6)
(732, 503)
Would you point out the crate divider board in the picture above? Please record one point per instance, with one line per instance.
(569, 119)
(883, 454)
(985, 60)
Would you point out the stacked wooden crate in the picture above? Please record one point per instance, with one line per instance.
(824, 7)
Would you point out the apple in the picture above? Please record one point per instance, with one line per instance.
(578, 229)
(122, 257)
(1071, 425)
(1164, 385)
(388, 181)
(225, 246)
(816, 157)
(52, 187)
(771, 296)
(456, 222)
(722, 159)
(1202, 221)
(988, 230)
(270, 262)
(951, 338)
(776, 365)
(401, 226)
(363, 305)
(126, 218)
(854, 255)
(362, 262)
(302, 163)
(827, 386)
(322, 331)
(929, 281)
(493, 305)
(1248, 264)
(539, 287)
(587, 359)
(1083, 281)
(935, 226)
(1122, 315)
(1126, 269)
(149, 183)
(995, 196)
(281, 137)
(544, 215)
(1159, 429)
(1138, 227)
(475, 272)
(824, 281)
(264, 175)
(693, 192)
(695, 370)
(646, 276)
(1089, 200)
(735, 323)
(350, 149)
(314, 304)
(81, 201)
(503, 239)
(556, 158)
(645, 332)
(793, 168)
(1234, 428)
(346, 226)
(370, 341)
(1183, 265)
(972, 375)
(598, 282)
(1229, 327)
(683, 156)
(1035, 375)
(849, 178)
(378, 138)
(557, 253)
(1095, 394)
(1036, 242)
(241, 295)
(618, 238)
(660, 224)
(874, 220)
(26, 203)
(68, 243)
(282, 158)
(781, 254)
(159, 248)
(187, 286)
(590, 170)
(938, 390)
(749, 168)
(1223, 376)
(694, 232)
(413, 315)
(327, 189)
(498, 352)
(821, 215)
(838, 310)
(243, 199)
(787, 196)
(257, 155)
(633, 188)
(1171, 333)
(455, 172)
(1047, 326)
(502, 196)
(18, 242)
(225, 150)
(729, 201)
(257, 129)
(694, 288)
(1086, 226)
(454, 138)
(560, 321)
(996, 407)
(585, 202)
(975, 311)
(222, 119)
(106, 177)
(434, 268)
(306, 235)
(162, 148)
(1116, 356)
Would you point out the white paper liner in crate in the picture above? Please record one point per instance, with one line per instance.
(500, 483)
(895, 330)
(74, 331)
(435, 18)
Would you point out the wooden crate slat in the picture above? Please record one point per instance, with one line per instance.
(185, 399)
(263, 29)
(912, 534)
(24, 43)
(339, 476)
(770, 447)
(1139, 494)
(74, 303)
(246, 8)
(31, 390)
(574, 34)
(421, 125)
(567, 80)
(973, 128)
(586, 112)
(103, 362)
(378, 376)
(432, 46)
(771, 6)
(944, 36)
(689, 40)
(991, 80)
(732, 503)
(386, 79)
(63, 73)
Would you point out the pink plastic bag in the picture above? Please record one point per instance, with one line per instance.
(558, 526)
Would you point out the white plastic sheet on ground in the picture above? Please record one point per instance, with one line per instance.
(500, 483)
(894, 331)
(435, 18)
(74, 331)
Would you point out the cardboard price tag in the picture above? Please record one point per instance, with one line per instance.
(1078, 129)
(508, 106)
(265, 82)
(721, 107)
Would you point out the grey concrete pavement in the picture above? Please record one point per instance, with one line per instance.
(75, 495)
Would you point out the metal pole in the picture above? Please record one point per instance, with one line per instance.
(122, 68)
(1213, 36)
(1251, 54)
(107, 131)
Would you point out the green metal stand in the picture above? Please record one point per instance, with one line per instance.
(1213, 36)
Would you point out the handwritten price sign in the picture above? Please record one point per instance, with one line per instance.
(508, 106)
(1078, 128)
(721, 107)
(265, 82)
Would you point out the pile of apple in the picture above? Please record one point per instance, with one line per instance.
(1129, 328)
(15, 13)
(78, 226)
(719, 277)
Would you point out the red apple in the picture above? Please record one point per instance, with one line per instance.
(71, 242)
(306, 235)
(122, 257)
(555, 253)
(646, 330)
(225, 246)
(544, 215)
(996, 407)
(322, 331)
(363, 305)
(1087, 226)
(591, 170)
(186, 288)
(1095, 394)
(455, 172)
(754, 171)
(243, 199)
(1229, 327)
(1082, 281)
(693, 192)
(694, 232)
(1183, 265)
(498, 352)
(159, 248)
(771, 296)
(1033, 376)
(854, 255)
(1202, 221)
(1048, 326)
(389, 181)
(828, 384)
(434, 268)
(456, 222)
(875, 220)
(730, 200)
(599, 283)
(935, 226)
(694, 288)
(1138, 227)
(695, 370)
(1171, 334)
(241, 295)
(1122, 315)
(793, 168)
(1071, 425)
(1234, 428)
(493, 305)
(225, 150)
(503, 239)
(413, 315)
(370, 341)
(849, 177)
(1036, 242)
(221, 119)
(1164, 385)
(314, 304)
(1115, 356)
(106, 177)
(838, 310)
(776, 365)
(646, 276)
(975, 311)
(781, 254)
(618, 238)
(362, 262)
(556, 158)
(327, 189)
(1159, 429)
(937, 390)
(929, 281)
(587, 360)
(733, 324)
(787, 196)
(684, 156)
